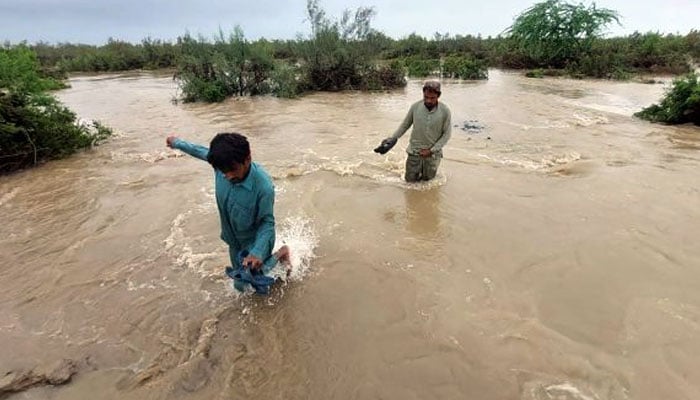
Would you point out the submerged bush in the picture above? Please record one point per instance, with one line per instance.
(231, 66)
(681, 103)
(535, 73)
(420, 68)
(383, 77)
(34, 126)
(344, 54)
(285, 80)
(39, 128)
(465, 68)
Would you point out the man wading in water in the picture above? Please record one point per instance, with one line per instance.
(245, 197)
(432, 127)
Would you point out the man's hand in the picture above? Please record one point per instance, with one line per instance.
(252, 262)
(170, 140)
(386, 145)
(425, 153)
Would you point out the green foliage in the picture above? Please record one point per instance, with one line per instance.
(383, 77)
(33, 125)
(231, 66)
(285, 80)
(348, 54)
(465, 68)
(554, 33)
(35, 129)
(157, 54)
(605, 59)
(535, 73)
(657, 53)
(19, 71)
(116, 55)
(420, 68)
(681, 104)
(692, 44)
(343, 54)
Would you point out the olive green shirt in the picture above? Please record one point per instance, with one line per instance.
(431, 129)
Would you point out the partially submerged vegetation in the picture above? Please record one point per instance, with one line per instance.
(338, 55)
(228, 67)
(680, 105)
(34, 126)
(551, 38)
(550, 35)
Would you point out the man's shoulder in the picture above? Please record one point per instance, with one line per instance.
(262, 178)
(445, 110)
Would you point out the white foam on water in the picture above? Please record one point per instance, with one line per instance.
(545, 163)
(554, 160)
(8, 196)
(176, 233)
(610, 104)
(150, 157)
(389, 169)
(209, 205)
(186, 256)
(567, 391)
(583, 119)
(195, 261)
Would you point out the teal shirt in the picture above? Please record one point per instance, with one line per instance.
(431, 129)
(245, 208)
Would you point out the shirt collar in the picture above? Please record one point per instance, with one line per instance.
(248, 181)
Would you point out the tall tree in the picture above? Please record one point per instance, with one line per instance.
(553, 32)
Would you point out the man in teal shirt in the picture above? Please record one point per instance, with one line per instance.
(245, 197)
(432, 128)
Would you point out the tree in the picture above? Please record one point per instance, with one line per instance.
(554, 33)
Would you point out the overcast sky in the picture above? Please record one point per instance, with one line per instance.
(94, 21)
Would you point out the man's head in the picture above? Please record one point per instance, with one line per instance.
(230, 154)
(431, 93)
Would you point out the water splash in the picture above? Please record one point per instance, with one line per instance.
(298, 233)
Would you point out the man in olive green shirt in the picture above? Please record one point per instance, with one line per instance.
(432, 127)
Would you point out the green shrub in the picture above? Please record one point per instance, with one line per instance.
(419, 68)
(230, 66)
(464, 68)
(392, 75)
(382, 77)
(535, 73)
(681, 104)
(39, 128)
(34, 126)
(285, 80)
(343, 54)
(20, 72)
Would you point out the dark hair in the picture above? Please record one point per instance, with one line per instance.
(228, 149)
